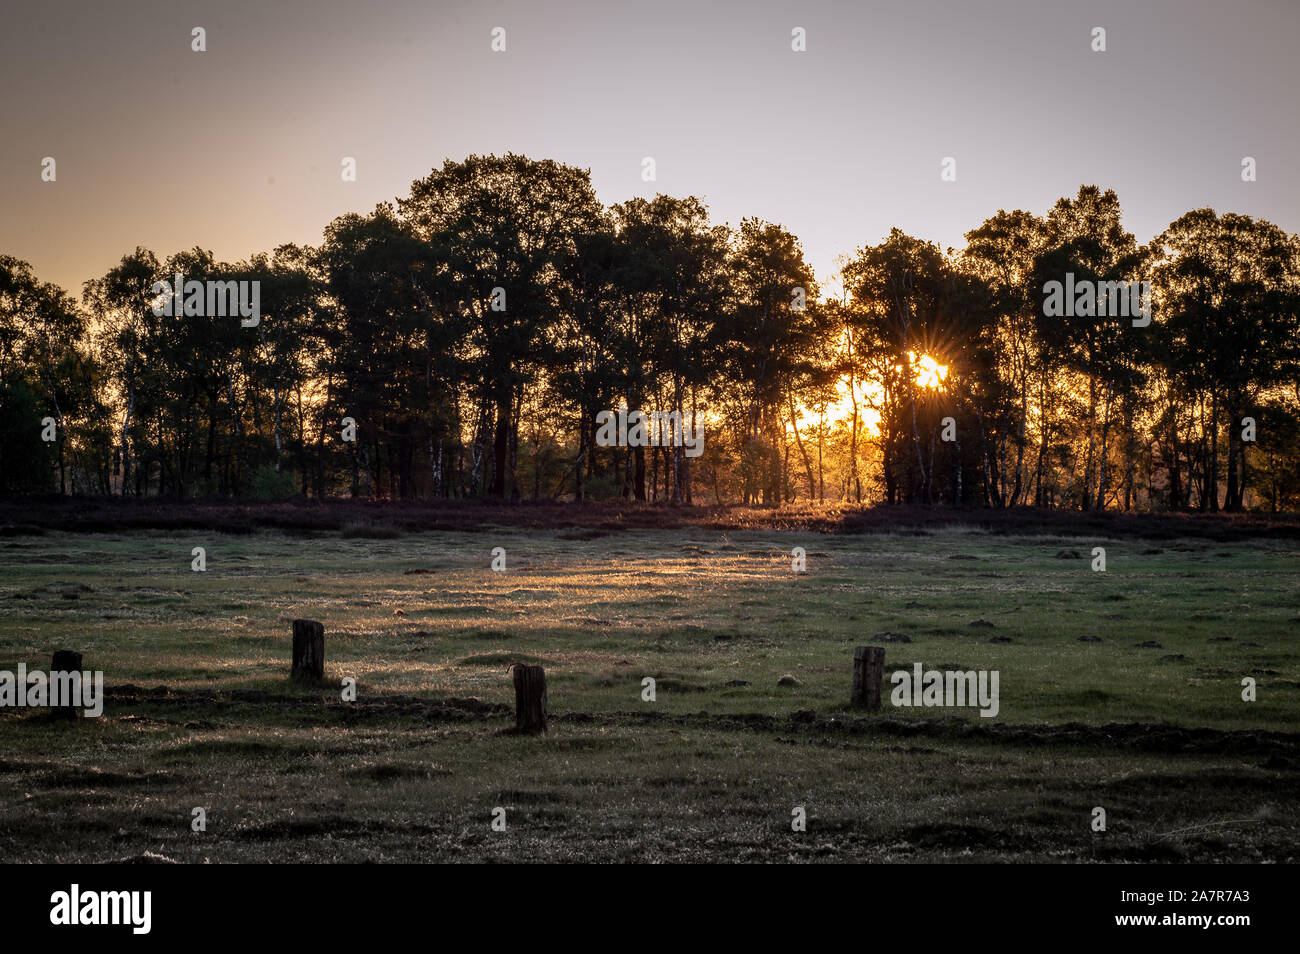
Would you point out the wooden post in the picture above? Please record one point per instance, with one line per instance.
(308, 650)
(868, 673)
(530, 699)
(65, 660)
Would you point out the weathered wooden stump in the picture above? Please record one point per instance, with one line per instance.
(308, 650)
(65, 660)
(530, 699)
(868, 673)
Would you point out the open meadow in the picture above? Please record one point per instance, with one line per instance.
(1119, 689)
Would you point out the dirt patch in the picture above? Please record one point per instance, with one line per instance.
(957, 837)
(395, 772)
(36, 516)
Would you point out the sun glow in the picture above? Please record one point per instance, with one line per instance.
(840, 411)
(930, 374)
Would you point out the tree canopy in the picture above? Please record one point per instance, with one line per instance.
(462, 341)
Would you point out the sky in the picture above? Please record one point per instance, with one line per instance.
(238, 149)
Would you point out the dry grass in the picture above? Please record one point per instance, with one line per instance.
(202, 713)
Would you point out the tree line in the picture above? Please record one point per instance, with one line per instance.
(471, 333)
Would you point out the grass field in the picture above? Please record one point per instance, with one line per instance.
(1146, 720)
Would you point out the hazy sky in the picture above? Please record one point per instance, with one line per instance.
(238, 149)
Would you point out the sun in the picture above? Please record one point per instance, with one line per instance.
(930, 374)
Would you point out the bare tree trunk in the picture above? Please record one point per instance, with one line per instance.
(807, 465)
(1212, 481)
(821, 473)
(1100, 502)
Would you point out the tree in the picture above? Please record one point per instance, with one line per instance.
(1084, 237)
(912, 307)
(673, 278)
(120, 304)
(392, 341)
(766, 340)
(505, 223)
(1001, 253)
(1229, 293)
